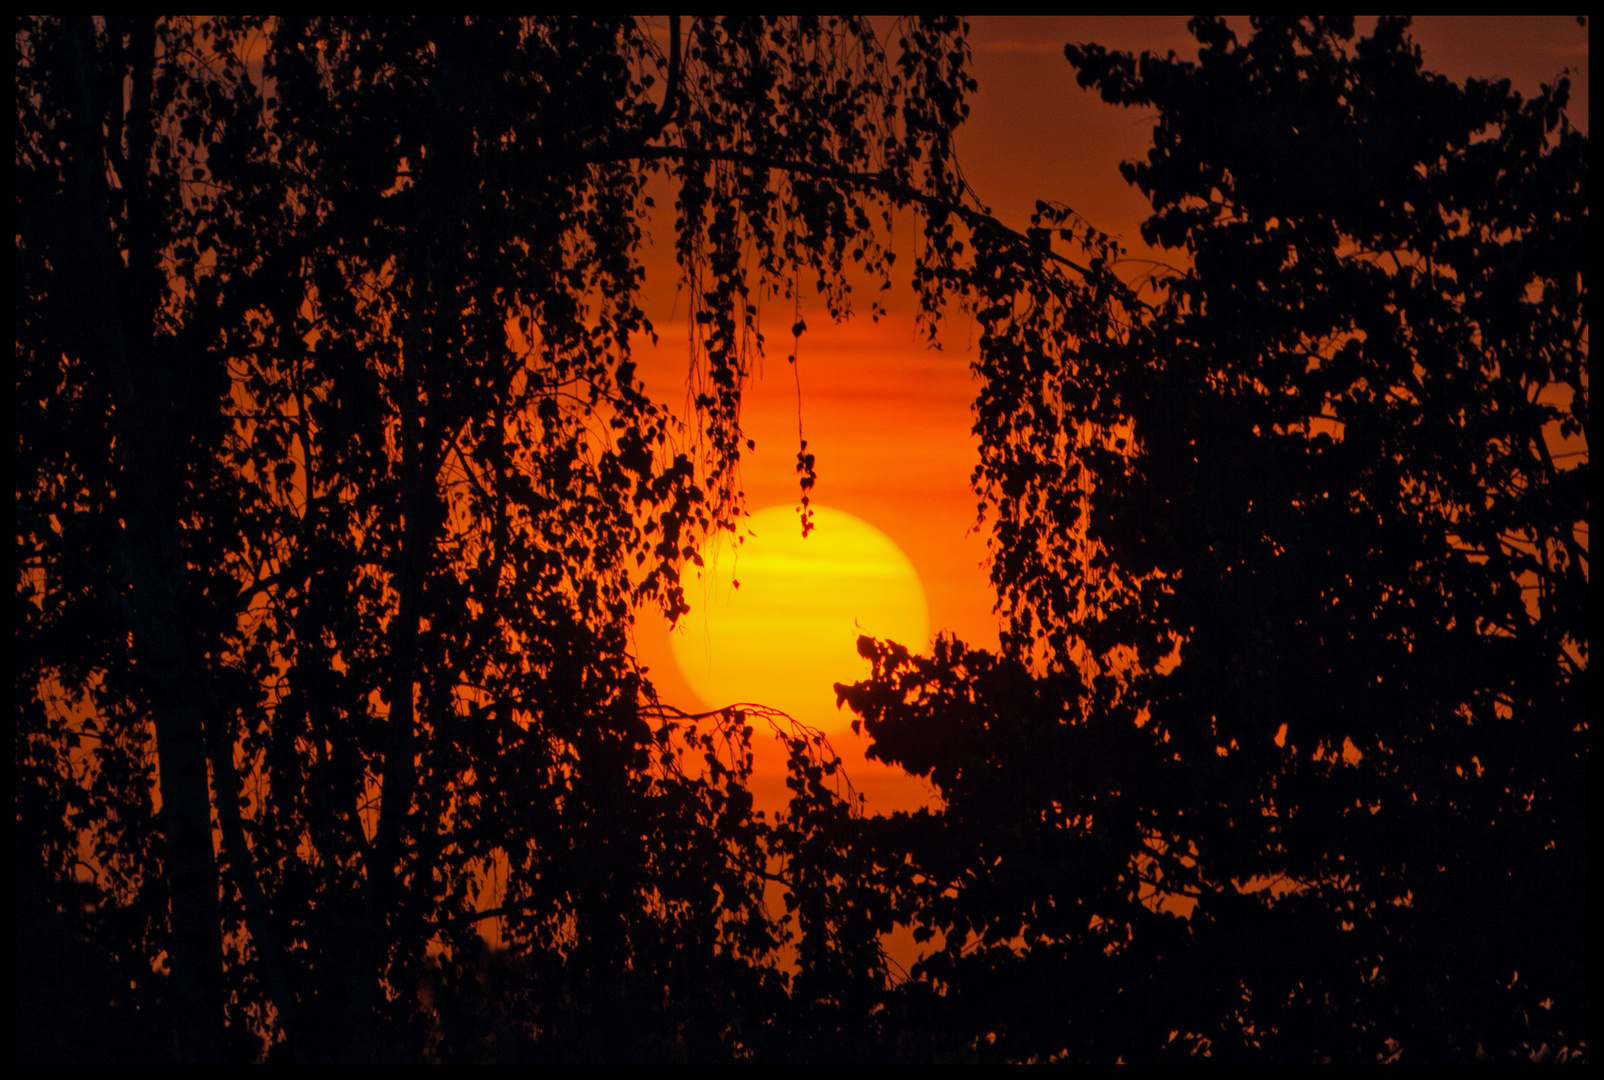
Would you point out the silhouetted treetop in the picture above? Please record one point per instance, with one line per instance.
(1293, 550)
(337, 489)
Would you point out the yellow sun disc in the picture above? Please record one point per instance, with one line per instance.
(775, 620)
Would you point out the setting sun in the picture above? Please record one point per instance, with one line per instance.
(776, 619)
(1188, 417)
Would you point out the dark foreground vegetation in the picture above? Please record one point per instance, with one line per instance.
(336, 491)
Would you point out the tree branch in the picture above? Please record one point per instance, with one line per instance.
(880, 182)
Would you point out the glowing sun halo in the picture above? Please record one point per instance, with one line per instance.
(789, 630)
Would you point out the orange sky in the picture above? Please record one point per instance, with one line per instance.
(887, 417)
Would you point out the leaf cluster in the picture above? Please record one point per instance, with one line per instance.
(338, 489)
(1285, 756)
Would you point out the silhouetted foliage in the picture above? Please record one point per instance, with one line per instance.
(1285, 756)
(337, 490)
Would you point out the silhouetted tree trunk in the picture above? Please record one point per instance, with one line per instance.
(118, 302)
(372, 551)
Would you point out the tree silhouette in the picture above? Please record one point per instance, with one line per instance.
(1285, 755)
(337, 489)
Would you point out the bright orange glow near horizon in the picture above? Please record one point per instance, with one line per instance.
(775, 618)
(888, 416)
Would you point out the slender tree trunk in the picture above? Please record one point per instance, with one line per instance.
(429, 313)
(399, 773)
(154, 565)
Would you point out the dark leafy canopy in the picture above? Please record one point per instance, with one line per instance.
(336, 489)
(1295, 566)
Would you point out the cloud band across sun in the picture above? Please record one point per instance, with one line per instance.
(775, 619)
